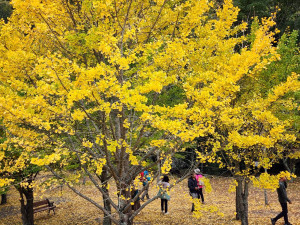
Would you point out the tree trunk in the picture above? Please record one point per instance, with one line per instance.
(159, 166)
(125, 220)
(3, 199)
(266, 197)
(285, 163)
(126, 212)
(291, 168)
(265, 193)
(106, 203)
(107, 206)
(125, 215)
(26, 208)
(238, 200)
(242, 193)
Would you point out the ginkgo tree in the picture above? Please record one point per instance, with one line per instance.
(17, 171)
(249, 135)
(286, 108)
(84, 83)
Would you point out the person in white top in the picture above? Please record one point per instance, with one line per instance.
(163, 194)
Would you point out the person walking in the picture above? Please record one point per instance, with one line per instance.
(163, 194)
(193, 187)
(283, 200)
(200, 183)
(145, 179)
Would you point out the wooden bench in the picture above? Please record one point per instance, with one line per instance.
(43, 205)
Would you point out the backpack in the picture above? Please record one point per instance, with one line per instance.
(200, 183)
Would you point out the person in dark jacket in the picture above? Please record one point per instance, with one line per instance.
(283, 199)
(193, 187)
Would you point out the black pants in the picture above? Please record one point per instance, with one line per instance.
(164, 205)
(201, 194)
(284, 213)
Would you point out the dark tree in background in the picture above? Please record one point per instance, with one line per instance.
(5, 9)
(287, 17)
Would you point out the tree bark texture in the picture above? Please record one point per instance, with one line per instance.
(125, 214)
(26, 193)
(242, 193)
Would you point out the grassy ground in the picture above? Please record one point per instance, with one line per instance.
(71, 209)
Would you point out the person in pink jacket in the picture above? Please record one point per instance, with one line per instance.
(200, 184)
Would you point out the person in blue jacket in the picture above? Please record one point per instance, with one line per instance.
(145, 179)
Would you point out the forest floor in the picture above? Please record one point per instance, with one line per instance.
(72, 209)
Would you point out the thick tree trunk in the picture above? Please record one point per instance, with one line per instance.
(242, 193)
(126, 212)
(125, 220)
(238, 201)
(125, 215)
(26, 207)
(3, 199)
(123, 166)
(107, 206)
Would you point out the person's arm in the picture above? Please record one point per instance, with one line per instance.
(285, 186)
(285, 195)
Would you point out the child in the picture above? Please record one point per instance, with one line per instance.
(145, 179)
(163, 195)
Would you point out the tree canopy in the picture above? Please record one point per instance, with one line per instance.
(85, 84)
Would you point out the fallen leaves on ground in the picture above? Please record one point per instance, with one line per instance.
(72, 209)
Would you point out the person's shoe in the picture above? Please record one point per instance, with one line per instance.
(287, 224)
(273, 221)
(166, 213)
